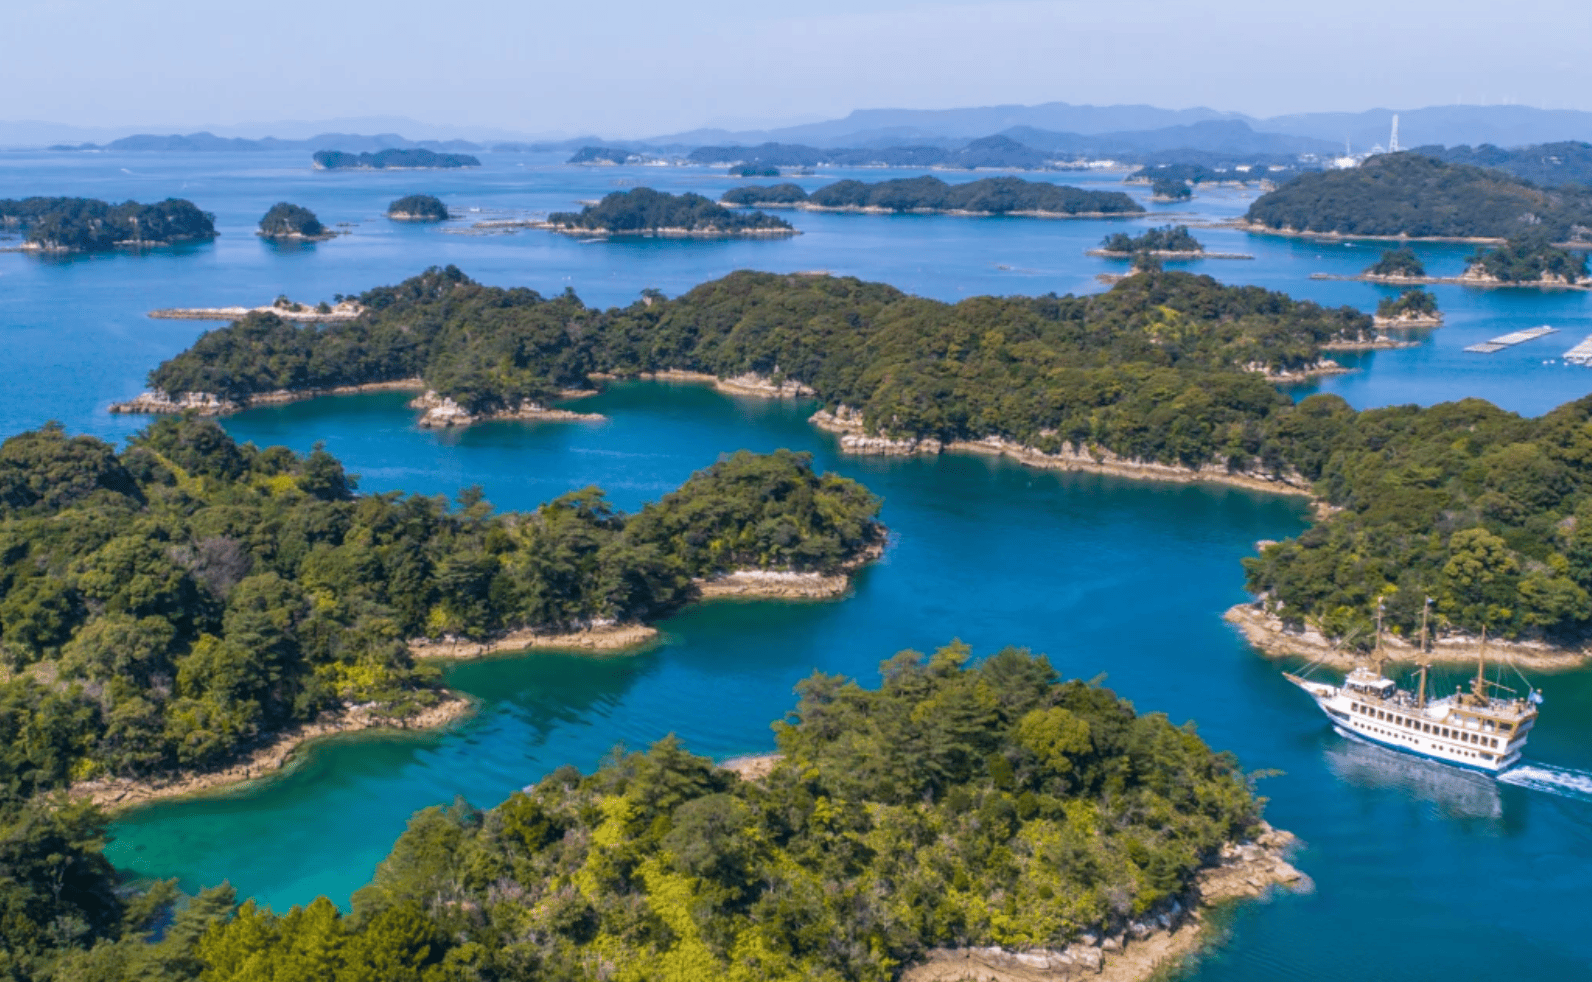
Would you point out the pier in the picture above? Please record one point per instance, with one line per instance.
(1513, 338)
(1581, 354)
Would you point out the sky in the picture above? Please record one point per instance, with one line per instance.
(634, 68)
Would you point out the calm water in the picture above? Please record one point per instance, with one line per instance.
(1422, 872)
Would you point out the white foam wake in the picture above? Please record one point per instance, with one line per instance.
(1563, 781)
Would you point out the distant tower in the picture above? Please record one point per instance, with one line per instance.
(1393, 141)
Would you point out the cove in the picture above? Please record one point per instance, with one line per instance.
(1106, 575)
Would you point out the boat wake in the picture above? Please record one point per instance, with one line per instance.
(1566, 782)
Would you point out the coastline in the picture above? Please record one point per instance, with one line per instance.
(660, 233)
(441, 412)
(1375, 344)
(1401, 322)
(1464, 279)
(344, 311)
(1167, 254)
(157, 403)
(116, 794)
(1094, 460)
(1266, 632)
(596, 637)
(959, 212)
(1258, 229)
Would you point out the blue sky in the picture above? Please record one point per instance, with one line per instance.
(635, 68)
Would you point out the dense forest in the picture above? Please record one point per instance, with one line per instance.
(1397, 262)
(289, 221)
(754, 170)
(412, 158)
(770, 195)
(1167, 189)
(1195, 174)
(166, 605)
(955, 805)
(1529, 258)
(90, 225)
(604, 156)
(992, 195)
(1545, 164)
(1167, 238)
(1410, 303)
(643, 210)
(418, 208)
(1410, 194)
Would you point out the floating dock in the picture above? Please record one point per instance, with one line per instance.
(1581, 354)
(1513, 338)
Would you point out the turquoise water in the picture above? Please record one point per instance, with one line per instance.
(1422, 872)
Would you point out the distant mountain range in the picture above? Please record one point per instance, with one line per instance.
(210, 143)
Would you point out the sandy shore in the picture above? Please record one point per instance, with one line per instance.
(600, 637)
(1092, 460)
(206, 404)
(268, 758)
(347, 310)
(1266, 632)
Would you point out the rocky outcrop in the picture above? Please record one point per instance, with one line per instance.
(156, 402)
(596, 636)
(1138, 950)
(343, 311)
(441, 412)
(855, 438)
(1266, 630)
(1407, 320)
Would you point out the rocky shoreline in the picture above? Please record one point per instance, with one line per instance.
(441, 412)
(1374, 344)
(1267, 632)
(1467, 278)
(158, 403)
(115, 794)
(1167, 254)
(343, 311)
(664, 233)
(1258, 229)
(1403, 322)
(1095, 460)
(594, 637)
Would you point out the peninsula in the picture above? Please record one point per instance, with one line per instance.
(1166, 376)
(930, 195)
(275, 604)
(643, 211)
(64, 225)
(415, 158)
(287, 222)
(663, 865)
(1411, 196)
(418, 208)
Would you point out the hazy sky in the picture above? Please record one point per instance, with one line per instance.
(640, 67)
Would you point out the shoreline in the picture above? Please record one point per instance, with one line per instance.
(1257, 229)
(1406, 323)
(341, 312)
(596, 637)
(958, 212)
(853, 439)
(1464, 279)
(156, 403)
(1375, 344)
(441, 413)
(1265, 631)
(267, 759)
(1167, 254)
(662, 233)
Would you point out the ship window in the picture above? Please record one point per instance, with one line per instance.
(1445, 731)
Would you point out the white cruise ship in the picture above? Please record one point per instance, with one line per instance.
(1474, 729)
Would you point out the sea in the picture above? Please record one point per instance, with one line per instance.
(1420, 871)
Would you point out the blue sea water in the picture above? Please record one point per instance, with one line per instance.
(1421, 872)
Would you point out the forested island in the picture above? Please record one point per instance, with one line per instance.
(1530, 259)
(286, 221)
(643, 211)
(1168, 189)
(172, 606)
(91, 225)
(416, 158)
(1413, 196)
(1167, 375)
(990, 196)
(1011, 814)
(754, 170)
(1397, 264)
(1412, 308)
(418, 208)
(1165, 242)
(1196, 174)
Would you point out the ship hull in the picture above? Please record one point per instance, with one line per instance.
(1335, 705)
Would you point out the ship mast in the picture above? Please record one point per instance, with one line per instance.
(1378, 656)
(1426, 661)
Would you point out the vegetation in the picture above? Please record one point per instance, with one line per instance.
(1411, 303)
(1545, 164)
(418, 207)
(1414, 195)
(1167, 189)
(416, 157)
(953, 806)
(643, 210)
(1529, 258)
(1398, 262)
(992, 195)
(1167, 238)
(168, 605)
(1194, 174)
(290, 221)
(604, 155)
(753, 195)
(90, 225)
(754, 170)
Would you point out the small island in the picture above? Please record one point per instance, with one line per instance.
(754, 170)
(1412, 308)
(418, 208)
(287, 222)
(1396, 265)
(68, 225)
(1527, 260)
(930, 195)
(644, 211)
(1166, 189)
(392, 159)
(1166, 242)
